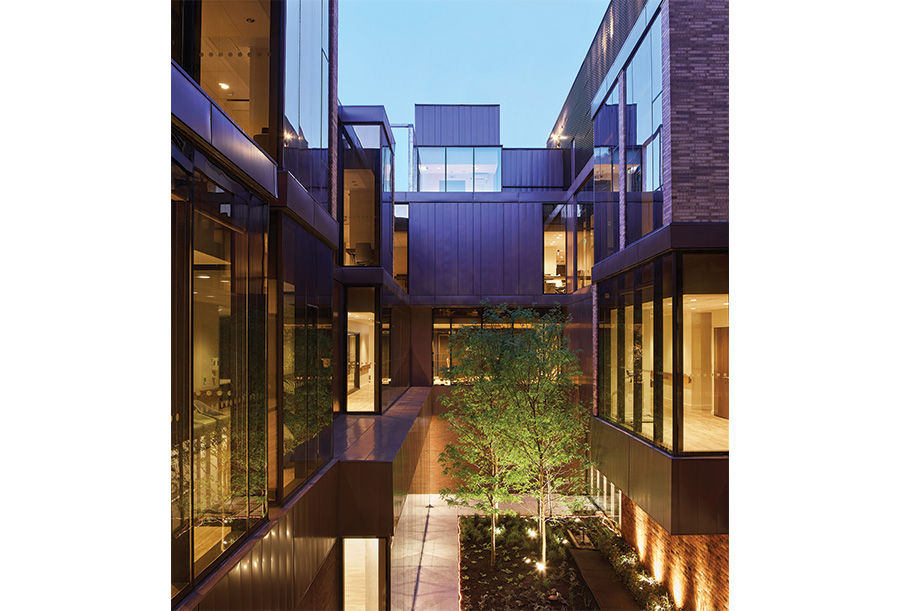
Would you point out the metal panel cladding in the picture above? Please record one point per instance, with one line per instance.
(574, 121)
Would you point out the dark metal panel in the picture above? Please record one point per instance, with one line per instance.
(442, 237)
(510, 222)
(416, 247)
(234, 144)
(189, 104)
(526, 245)
(452, 262)
(534, 255)
(491, 249)
(609, 452)
(468, 126)
(429, 252)
(466, 276)
(475, 229)
(650, 481)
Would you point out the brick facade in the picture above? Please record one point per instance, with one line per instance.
(695, 110)
(694, 568)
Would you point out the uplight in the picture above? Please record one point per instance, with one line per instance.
(531, 533)
(224, 86)
(540, 566)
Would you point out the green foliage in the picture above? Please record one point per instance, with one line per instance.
(521, 428)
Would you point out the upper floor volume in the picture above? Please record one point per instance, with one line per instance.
(266, 65)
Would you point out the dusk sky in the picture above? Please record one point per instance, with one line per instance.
(521, 54)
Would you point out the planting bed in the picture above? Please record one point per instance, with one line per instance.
(515, 582)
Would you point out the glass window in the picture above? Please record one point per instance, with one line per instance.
(584, 246)
(362, 195)
(606, 174)
(555, 260)
(361, 350)
(432, 168)
(643, 128)
(403, 138)
(487, 169)
(705, 352)
(460, 169)
(234, 64)
(445, 322)
(306, 95)
(364, 574)
(634, 351)
(401, 245)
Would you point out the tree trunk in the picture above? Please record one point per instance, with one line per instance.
(542, 516)
(493, 536)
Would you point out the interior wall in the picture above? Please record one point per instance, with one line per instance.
(206, 345)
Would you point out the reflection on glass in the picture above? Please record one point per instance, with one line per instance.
(584, 239)
(401, 245)
(445, 322)
(360, 247)
(219, 332)
(395, 347)
(705, 353)
(554, 260)
(634, 370)
(361, 350)
(306, 95)
(643, 126)
(460, 169)
(487, 169)
(432, 165)
(234, 64)
(181, 411)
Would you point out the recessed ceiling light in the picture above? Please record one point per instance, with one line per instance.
(209, 296)
(224, 86)
(693, 300)
(204, 277)
(726, 303)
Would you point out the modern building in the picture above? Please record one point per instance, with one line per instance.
(322, 257)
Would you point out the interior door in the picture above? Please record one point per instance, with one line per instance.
(720, 389)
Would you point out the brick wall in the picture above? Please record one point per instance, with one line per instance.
(695, 110)
(693, 567)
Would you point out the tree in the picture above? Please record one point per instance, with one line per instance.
(515, 410)
(547, 422)
(481, 460)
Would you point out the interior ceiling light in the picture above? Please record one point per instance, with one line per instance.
(204, 277)
(224, 86)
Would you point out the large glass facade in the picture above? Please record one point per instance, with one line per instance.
(362, 350)
(555, 261)
(662, 352)
(704, 304)
(362, 166)
(219, 367)
(634, 336)
(306, 353)
(445, 321)
(458, 168)
(401, 245)
(306, 65)
(643, 137)
(232, 42)
(606, 174)
(584, 237)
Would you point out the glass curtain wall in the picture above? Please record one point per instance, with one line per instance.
(361, 166)
(219, 367)
(584, 238)
(306, 95)
(306, 354)
(643, 137)
(606, 174)
(640, 388)
(704, 303)
(635, 351)
(555, 260)
(232, 40)
(458, 169)
(362, 350)
(401, 245)
(446, 321)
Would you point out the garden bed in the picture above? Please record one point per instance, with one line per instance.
(515, 582)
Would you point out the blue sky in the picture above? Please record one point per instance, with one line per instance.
(521, 54)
